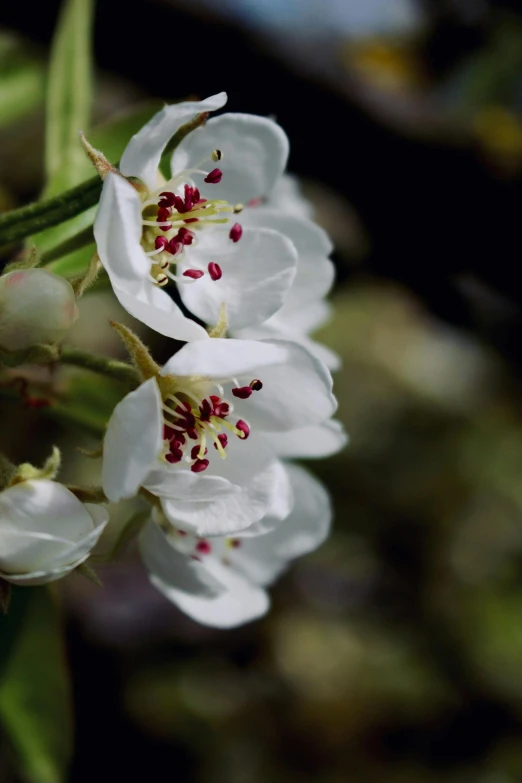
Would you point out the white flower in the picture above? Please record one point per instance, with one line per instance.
(36, 306)
(45, 531)
(178, 223)
(198, 436)
(271, 201)
(221, 582)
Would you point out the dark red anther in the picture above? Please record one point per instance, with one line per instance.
(221, 410)
(256, 385)
(179, 204)
(214, 177)
(185, 236)
(191, 220)
(167, 199)
(160, 243)
(173, 247)
(235, 543)
(243, 427)
(194, 452)
(193, 434)
(214, 271)
(194, 274)
(243, 392)
(203, 547)
(222, 438)
(168, 432)
(163, 215)
(236, 232)
(175, 455)
(199, 465)
(205, 410)
(189, 197)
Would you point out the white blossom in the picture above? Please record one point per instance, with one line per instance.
(221, 581)
(36, 306)
(45, 531)
(199, 435)
(143, 233)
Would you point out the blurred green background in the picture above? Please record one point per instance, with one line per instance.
(394, 653)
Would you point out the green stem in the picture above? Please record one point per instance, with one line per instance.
(112, 368)
(82, 239)
(24, 222)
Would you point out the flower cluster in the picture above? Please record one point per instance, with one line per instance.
(215, 248)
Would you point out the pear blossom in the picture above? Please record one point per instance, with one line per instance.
(269, 202)
(221, 582)
(143, 232)
(198, 435)
(36, 306)
(45, 531)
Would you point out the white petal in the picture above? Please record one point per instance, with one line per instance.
(308, 525)
(309, 238)
(154, 308)
(172, 481)
(268, 490)
(166, 565)
(286, 197)
(133, 441)
(296, 393)
(264, 557)
(288, 323)
(283, 498)
(221, 357)
(142, 155)
(315, 271)
(258, 272)
(323, 353)
(320, 441)
(117, 230)
(255, 151)
(240, 602)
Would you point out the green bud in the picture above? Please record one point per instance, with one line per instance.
(36, 306)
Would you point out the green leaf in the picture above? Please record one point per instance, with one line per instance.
(69, 97)
(34, 687)
(68, 110)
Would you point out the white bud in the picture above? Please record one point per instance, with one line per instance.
(45, 531)
(36, 306)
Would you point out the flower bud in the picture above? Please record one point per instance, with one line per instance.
(36, 306)
(45, 531)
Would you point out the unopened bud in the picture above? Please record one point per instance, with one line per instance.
(36, 306)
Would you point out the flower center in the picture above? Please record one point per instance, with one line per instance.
(172, 217)
(194, 420)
